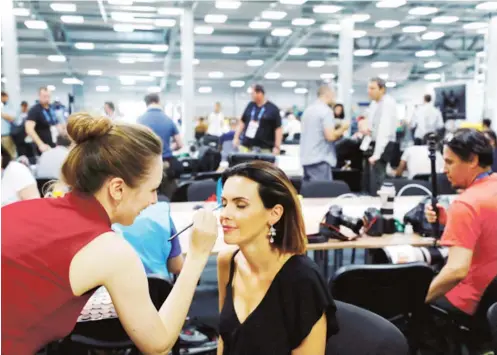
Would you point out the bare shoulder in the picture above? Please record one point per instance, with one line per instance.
(223, 262)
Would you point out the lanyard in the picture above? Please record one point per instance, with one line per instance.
(219, 190)
(483, 175)
(49, 117)
(259, 116)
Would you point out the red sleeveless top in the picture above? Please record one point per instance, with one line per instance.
(39, 240)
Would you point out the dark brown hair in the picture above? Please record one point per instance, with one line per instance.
(105, 149)
(275, 188)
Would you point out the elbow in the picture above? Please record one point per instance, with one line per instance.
(161, 349)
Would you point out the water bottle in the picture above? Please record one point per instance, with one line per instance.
(387, 196)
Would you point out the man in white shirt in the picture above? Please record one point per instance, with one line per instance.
(427, 119)
(216, 121)
(381, 127)
(416, 160)
(51, 161)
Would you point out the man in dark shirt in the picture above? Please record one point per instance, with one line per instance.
(39, 121)
(260, 125)
(492, 137)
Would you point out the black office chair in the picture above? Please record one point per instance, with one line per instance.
(43, 185)
(296, 182)
(492, 321)
(324, 188)
(395, 292)
(201, 190)
(363, 332)
(424, 177)
(444, 186)
(410, 191)
(180, 194)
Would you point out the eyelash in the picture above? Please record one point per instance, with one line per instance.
(238, 206)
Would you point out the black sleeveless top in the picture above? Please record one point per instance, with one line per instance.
(294, 302)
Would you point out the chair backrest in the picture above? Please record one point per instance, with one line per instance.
(359, 334)
(238, 158)
(488, 298)
(492, 321)
(159, 289)
(411, 191)
(180, 194)
(324, 188)
(424, 177)
(42, 185)
(444, 187)
(387, 290)
(201, 190)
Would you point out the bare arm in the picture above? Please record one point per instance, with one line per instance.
(238, 132)
(278, 137)
(30, 131)
(29, 192)
(401, 168)
(178, 142)
(315, 342)
(8, 117)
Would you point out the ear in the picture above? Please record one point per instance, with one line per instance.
(275, 214)
(116, 188)
(474, 161)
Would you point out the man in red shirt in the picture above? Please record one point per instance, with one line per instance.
(470, 224)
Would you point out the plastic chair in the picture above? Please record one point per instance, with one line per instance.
(363, 332)
(201, 190)
(323, 188)
(411, 191)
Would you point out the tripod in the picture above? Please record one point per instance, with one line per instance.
(432, 148)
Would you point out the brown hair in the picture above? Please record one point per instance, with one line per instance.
(105, 149)
(275, 188)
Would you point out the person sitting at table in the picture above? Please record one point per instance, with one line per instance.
(470, 225)
(149, 235)
(272, 297)
(57, 251)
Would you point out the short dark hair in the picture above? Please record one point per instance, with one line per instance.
(491, 134)
(487, 122)
(259, 88)
(63, 140)
(43, 88)
(467, 142)
(111, 105)
(24, 103)
(430, 135)
(152, 99)
(427, 98)
(379, 81)
(6, 157)
(4, 93)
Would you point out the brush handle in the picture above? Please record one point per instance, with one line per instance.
(190, 225)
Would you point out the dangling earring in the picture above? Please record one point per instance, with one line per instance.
(271, 234)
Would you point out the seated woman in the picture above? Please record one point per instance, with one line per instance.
(273, 299)
(18, 183)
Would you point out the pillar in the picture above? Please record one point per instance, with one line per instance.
(188, 88)
(346, 65)
(10, 55)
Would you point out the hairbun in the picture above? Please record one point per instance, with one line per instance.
(82, 127)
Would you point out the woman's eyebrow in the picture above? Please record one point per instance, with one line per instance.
(238, 198)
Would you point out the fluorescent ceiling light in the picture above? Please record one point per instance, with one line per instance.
(281, 32)
(155, 89)
(380, 64)
(422, 10)
(273, 15)
(300, 91)
(315, 63)
(289, 84)
(123, 28)
(205, 89)
(387, 23)
(361, 17)
(228, 5)
(383, 76)
(157, 74)
(216, 74)
(120, 2)
(359, 33)
(301, 21)
(391, 4)
(159, 47)
(487, 6)
(331, 27)
(95, 72)
(425, 53)
(230, 50)
(433, 65)
(127, 81)
(272, 75)
(122, 16)
(29, 71)
(237, 83)
(196, 61)
(293, 2)
(56, 58)
(215, 18)
(63, 7)
(72, 19)
(432, 35)
(51, 87)
(171, 11)
(326, 76)
(249, 90)
(140, 8)
(254, 62)
(413, 29)
(298, 51)
(35, 24)
(21, 11)
(102, 88)
(444, 19)
(84, 45)
(326, 9)
(363, 52)
(259, 25)
(126, 60)
(203, 30)
(475, 25)
(482, 31)
(165, 22)
(72, 81)
(432, 76)
(144, 27)
(390, 84)
(179, 83)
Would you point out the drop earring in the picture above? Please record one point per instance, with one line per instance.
(271, 234)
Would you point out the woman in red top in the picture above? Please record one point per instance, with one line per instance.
(56, 250)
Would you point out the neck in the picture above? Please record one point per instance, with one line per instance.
(322, 99)
(476, 173)
(45, 105)
(155, 106)
(260, 102)
(104, 200)
(259, 255)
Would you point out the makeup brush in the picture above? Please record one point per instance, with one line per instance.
(191, 225)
